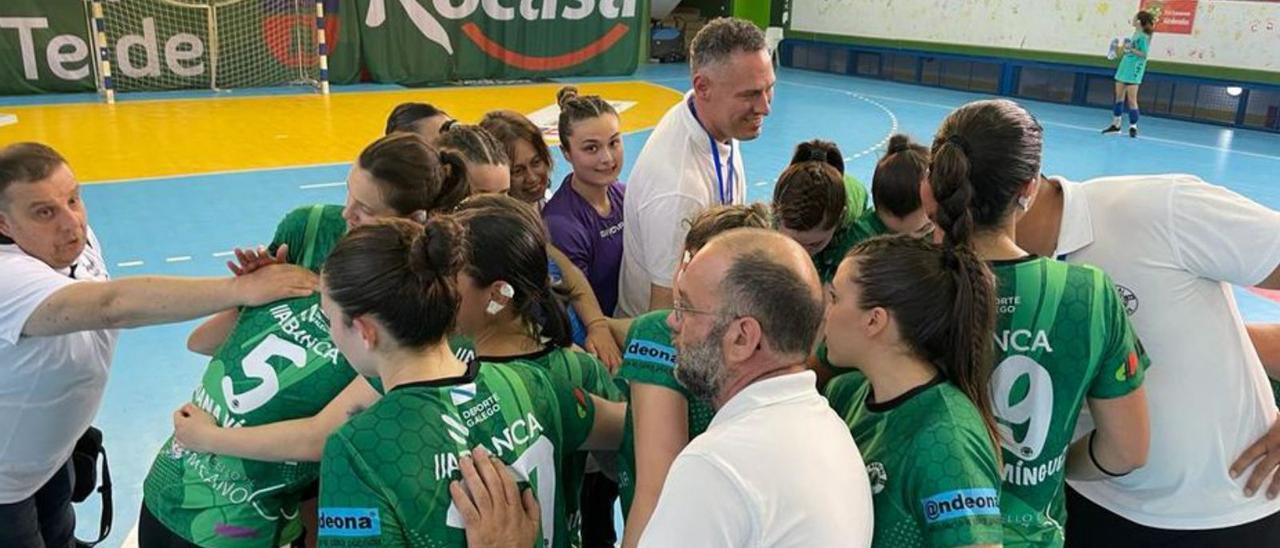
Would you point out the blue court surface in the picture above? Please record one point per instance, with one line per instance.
(182, 225)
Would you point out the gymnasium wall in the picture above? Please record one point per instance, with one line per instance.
(1198, 38)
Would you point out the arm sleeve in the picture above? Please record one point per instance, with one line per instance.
(572, 239)
(662, 226)
(1221, 235)
(353, 510)
(1123, 362)
(700, 505)
(28, 282)
(956, 495)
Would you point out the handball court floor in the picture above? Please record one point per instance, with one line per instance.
(174, 181)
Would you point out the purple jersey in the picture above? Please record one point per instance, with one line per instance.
(593, 242)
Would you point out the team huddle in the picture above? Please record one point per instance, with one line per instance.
(456, 339)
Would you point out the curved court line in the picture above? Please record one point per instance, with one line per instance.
(8, 119)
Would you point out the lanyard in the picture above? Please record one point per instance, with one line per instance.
(725, 191)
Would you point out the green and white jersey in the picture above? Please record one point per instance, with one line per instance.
(385, 474)
(650, 358)
(572, 369)
(278, 363)
(1061, 336)
(934, 479)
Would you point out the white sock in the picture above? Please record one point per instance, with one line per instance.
(1115, 121)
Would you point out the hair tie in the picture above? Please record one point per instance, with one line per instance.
(447, 125)
(817, 155)
(959, 141)
(950, 259)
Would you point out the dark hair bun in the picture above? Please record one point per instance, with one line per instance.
(438, 251)
(898, 143)
(566, 94)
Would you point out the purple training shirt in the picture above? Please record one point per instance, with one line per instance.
(592, 242)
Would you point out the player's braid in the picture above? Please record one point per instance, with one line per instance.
(974, 310)
(952, 189)
(809, 195)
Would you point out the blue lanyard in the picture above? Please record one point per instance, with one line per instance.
(726, 192)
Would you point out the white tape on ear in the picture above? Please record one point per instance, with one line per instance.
(494, 308)
(506, 290)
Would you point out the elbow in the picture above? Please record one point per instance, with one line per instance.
(1130, 454)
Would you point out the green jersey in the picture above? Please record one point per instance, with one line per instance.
(385, 474)
(853, 229)
(278, 363)
(1061, 336)
(650, 358)
(576, 370)
(934, 479)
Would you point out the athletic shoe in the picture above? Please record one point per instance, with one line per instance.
(1133, 132)
(1111, 129)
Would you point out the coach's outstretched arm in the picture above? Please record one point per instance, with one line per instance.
(150, 300)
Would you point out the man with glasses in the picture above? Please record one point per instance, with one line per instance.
(776, 467)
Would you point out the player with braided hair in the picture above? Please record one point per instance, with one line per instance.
(818, 206)
(488, 167)
(1061, 335)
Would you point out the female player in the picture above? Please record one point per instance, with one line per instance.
(915, 319)
(421, 118)
(895, 188)
(1133, 65)
(530, 157)
(663, 416)
(584, 216)
(270, 363)
(488, 168)
(393, 291)
(818, 206)
(1061, 336)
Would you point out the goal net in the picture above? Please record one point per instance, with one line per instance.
(209, 44)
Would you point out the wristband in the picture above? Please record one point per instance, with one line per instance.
(1094, 459)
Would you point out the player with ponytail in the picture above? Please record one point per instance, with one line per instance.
(818, 206)
(915, 319)
(1133, 65)
(1062, 336)
(393, 291)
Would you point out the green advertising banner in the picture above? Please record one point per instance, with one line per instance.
(425, 41)
(44, 47)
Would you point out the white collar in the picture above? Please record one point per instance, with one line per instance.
(1076, 230)
(768, 392)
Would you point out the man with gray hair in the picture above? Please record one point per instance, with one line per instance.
(776, 467)
(692, 161)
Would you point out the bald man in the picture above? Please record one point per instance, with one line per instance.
(776, 467)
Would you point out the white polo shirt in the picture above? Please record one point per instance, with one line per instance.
(673, 179)
(1174, 244)
(50, 387)
(776, 467)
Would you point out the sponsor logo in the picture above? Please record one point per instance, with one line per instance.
(654, 353)
(1128, 298)
(456, 430)
(480, 412)
(961, 503)
(521, 433)
(1128, 369)
(349, 522)
(1023, 340)
(429, 26)
(1009, 305)
(580, 398)
(878, 477)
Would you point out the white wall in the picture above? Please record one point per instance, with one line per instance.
(1227, 33)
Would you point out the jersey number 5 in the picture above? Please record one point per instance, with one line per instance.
(256, 367)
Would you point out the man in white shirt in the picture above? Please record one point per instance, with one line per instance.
(691, 160)
(776, 467)
(1174, 246)
(59, 313)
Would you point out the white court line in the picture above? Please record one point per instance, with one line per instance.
(1047, 122)
(216, 173)
(131, 540)
(322, 185)
(224, 254)
(128, 264)
(180, 259)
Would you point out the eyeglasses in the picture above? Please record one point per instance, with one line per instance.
(678, 311)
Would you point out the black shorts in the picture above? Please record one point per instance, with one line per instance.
(1092, 526)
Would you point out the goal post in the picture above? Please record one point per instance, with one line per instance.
(156, 45)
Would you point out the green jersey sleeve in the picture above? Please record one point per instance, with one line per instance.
(354, 510)
(590, 374)
(577, 412)
(856, 194)
(648, 356)
(957, 489)
(1123, 362)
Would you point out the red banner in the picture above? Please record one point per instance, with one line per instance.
(1172, 16)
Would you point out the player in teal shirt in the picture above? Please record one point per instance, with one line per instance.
(1062, 336)
(1133, 66)
(915, 319)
